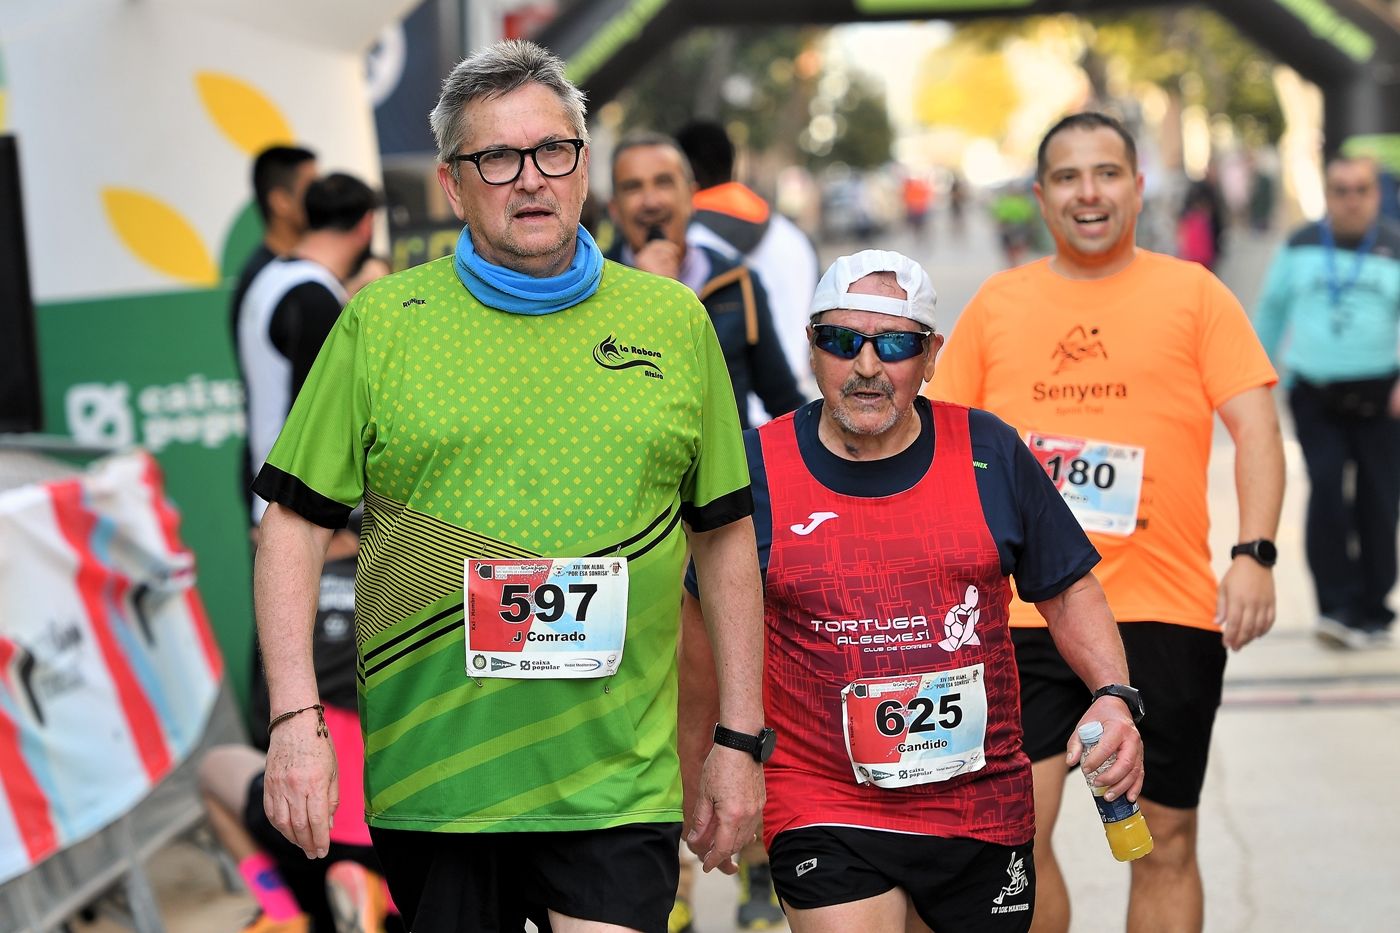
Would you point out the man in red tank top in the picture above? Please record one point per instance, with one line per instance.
(888, 527)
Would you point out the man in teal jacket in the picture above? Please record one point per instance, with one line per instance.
(1336, 287)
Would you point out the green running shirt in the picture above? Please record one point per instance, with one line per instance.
(471, 432)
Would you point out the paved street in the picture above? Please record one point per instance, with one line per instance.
(1299, 813)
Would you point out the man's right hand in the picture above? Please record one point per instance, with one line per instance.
(660, 257)
(300, 791)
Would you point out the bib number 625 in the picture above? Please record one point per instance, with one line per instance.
(548, 601)
(891, 721)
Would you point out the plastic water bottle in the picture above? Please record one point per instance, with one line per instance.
(1123, 823)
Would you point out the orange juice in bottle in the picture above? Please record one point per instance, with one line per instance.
(1123, 822)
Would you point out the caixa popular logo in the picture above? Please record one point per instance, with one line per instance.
(611, 353)
(201, 411)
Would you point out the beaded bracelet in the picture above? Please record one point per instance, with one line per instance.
(321, 729)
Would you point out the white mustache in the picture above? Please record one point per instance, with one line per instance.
(857, 384)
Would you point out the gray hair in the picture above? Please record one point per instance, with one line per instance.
(492, 72)
(651, 138)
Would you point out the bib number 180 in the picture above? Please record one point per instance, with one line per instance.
(1078, 472)
(547, 602)
(891, 721)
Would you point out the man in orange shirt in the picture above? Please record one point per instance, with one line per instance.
(1112, 361)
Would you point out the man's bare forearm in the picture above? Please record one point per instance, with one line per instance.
(1259, 464)
(726, 566)
(286, 589)
(1082, 626)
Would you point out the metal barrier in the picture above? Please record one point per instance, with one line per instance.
(106, 868)
(110, 866)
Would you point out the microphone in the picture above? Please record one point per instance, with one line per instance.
(655, 232)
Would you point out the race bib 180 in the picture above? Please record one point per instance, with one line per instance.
(1099, 481)
(916, 728)
(545, 617)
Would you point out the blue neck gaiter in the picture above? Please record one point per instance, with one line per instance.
(507, 290)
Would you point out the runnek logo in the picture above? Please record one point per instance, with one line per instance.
(610, 354)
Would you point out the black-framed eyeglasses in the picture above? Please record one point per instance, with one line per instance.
(891, 347)
(554, 158)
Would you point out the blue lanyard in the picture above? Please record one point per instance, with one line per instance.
(1335, 287)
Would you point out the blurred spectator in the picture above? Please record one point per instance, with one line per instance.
(918, 199)
(281, 175)
(957, 201)
(1263, 193)
(291, 305)
(735, 222)
(1015, 214)
(1208, 189)
(1336, 286)
(651, 205)
(1195, 232)
(1233, 177)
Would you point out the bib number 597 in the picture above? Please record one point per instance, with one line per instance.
(548, 601)
(891, 721)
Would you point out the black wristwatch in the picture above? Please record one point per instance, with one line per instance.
(1262, 550)
(1128, 695)
(759, 746)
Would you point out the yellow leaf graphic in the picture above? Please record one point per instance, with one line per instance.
(243, 112)
(159, 236)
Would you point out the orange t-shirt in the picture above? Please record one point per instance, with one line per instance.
(1141, 358)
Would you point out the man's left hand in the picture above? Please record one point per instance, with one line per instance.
(1120, 741)
(729, 809)
(1245, 607)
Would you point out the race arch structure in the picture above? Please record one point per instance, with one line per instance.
(1348, 48)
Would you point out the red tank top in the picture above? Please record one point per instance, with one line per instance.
(861, 588)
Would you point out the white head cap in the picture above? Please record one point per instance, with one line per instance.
(832, 295)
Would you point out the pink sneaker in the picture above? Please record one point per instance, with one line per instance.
(356, 896)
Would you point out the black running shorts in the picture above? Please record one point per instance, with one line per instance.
(1180, 672)
(470, 882)
(955, 884)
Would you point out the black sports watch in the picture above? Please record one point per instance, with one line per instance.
(759, 746)
(1128, 695)
(1262, 550)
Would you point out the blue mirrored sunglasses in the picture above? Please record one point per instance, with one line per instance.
(891, 347)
